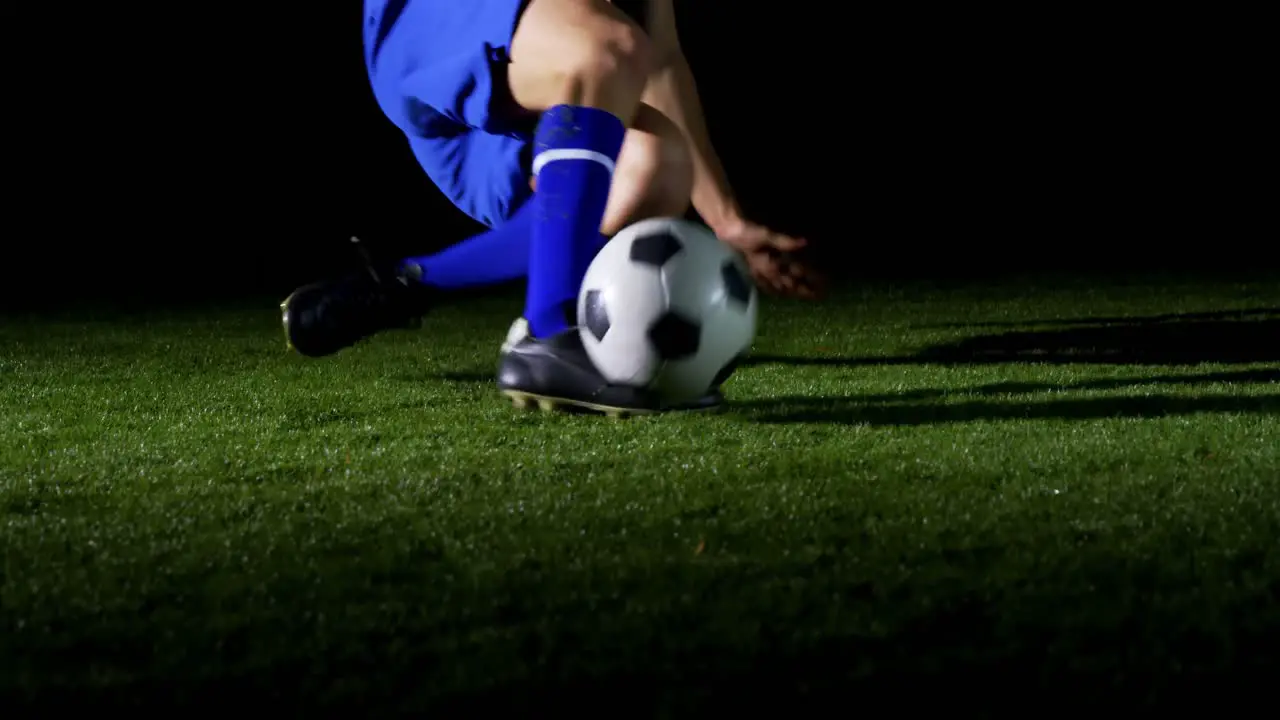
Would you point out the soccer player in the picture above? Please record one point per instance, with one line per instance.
(555, 123)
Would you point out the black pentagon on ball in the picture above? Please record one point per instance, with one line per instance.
(675, 337)
(596, 315)
(735, 283)
(655, 249)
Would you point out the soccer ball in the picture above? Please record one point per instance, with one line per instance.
(666, 306)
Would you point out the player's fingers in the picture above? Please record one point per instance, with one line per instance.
(810, 275)
(782, 243)
(767, 280)
(786, 282)
(807, 284)
(799, 290)
(799, 273)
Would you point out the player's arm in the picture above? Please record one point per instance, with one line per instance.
(673, 91)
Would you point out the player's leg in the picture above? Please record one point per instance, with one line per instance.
(438, 72)
(654, 175)
(584, 66)
(436, 68)
(653, 178)
(579, 66)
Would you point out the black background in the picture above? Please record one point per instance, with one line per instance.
(234, 150)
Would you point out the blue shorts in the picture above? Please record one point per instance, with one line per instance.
(438, 71)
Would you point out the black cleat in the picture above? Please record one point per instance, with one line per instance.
(323, 318)
(556, 373)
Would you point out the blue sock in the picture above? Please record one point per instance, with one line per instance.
(574, 153)
(494, 256)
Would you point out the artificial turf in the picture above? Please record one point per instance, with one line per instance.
(964, 492)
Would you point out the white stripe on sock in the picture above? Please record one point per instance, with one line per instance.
(549, 156)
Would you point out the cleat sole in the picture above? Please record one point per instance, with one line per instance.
(528, 401)
(523, 400)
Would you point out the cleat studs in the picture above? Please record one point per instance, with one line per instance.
(524, 401)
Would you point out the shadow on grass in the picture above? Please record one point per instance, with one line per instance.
(1215, 316)
(1252, 337)
(1237, 337)
(857, 410)
(912, 407)
(1022, 388)
(1175, 339)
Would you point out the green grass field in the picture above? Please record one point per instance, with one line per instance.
(963, 493)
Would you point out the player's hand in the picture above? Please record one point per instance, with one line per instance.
(776, 260)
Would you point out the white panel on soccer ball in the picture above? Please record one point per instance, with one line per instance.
(709, 284)
(619, 301)
(728, 330)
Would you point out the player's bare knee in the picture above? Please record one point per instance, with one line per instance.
(629, 50)
(609, 66)
(578, 52)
